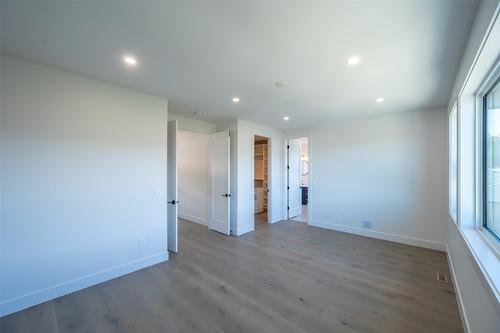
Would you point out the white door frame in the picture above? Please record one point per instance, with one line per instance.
(269, 175)
(309, 176)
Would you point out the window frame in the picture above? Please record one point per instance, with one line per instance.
(453, 123)
(488, 235)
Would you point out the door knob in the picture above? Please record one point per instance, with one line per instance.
(173, 202)
(226, 195)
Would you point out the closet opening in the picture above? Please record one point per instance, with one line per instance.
(261, 179)
(298, 179)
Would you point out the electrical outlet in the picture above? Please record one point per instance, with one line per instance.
(367, 224)
(142, 243)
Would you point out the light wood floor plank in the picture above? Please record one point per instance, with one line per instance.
(284, 277)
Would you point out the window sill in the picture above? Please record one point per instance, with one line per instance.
(485, 256)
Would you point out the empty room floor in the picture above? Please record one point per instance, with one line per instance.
(284, 277)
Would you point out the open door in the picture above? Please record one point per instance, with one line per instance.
(172, 222)
(294, 191)
(220, 145)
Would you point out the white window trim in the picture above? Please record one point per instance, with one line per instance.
(490, 241)
(485, 66)
(484, 249)
(453, 215)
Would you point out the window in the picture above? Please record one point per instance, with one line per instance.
(453, 160)
(491, 172)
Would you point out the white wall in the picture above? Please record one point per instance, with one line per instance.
(389, 169)
(193, 125)
(193, 156)
(478, 305)
(83, 181)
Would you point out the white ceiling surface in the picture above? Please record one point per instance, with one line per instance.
(200, 55)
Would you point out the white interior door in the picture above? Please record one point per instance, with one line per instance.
(172, 222)
(294, 190)
(220, 196)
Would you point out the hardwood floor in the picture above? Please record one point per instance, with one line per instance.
(285, 277)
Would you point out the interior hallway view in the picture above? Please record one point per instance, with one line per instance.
(283, 277)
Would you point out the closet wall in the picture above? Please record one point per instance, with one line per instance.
(193, 156)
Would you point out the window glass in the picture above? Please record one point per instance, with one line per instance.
(492, 160)
(453, 163)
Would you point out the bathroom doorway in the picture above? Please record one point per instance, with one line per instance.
(298, 179)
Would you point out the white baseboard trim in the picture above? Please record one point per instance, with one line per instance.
(460, 302)
(194, 219)
(244, 230)
(64, 288)
(380, 235)
(276, 219)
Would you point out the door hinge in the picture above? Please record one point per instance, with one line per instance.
(288, 207)
(288, 187)
(287, 146)
(288, 167)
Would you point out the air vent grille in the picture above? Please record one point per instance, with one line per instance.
(441, 277)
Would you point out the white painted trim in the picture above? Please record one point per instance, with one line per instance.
(380, 235)
(195, 219)
(64, 288)
(458, 294)
(243, 230)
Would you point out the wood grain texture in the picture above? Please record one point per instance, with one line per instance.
(284, 277)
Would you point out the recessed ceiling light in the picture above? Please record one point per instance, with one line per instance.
(353, 61)
(286, 118)
(130, 60)
(380, 100)
(236, 99)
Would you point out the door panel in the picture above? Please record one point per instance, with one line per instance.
(172, 221)
(294, 191)
(220, 196)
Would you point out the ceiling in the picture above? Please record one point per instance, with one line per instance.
(199, 55)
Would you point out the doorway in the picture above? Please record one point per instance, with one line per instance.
(298, 157)
(261, 179)
(198, 181)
